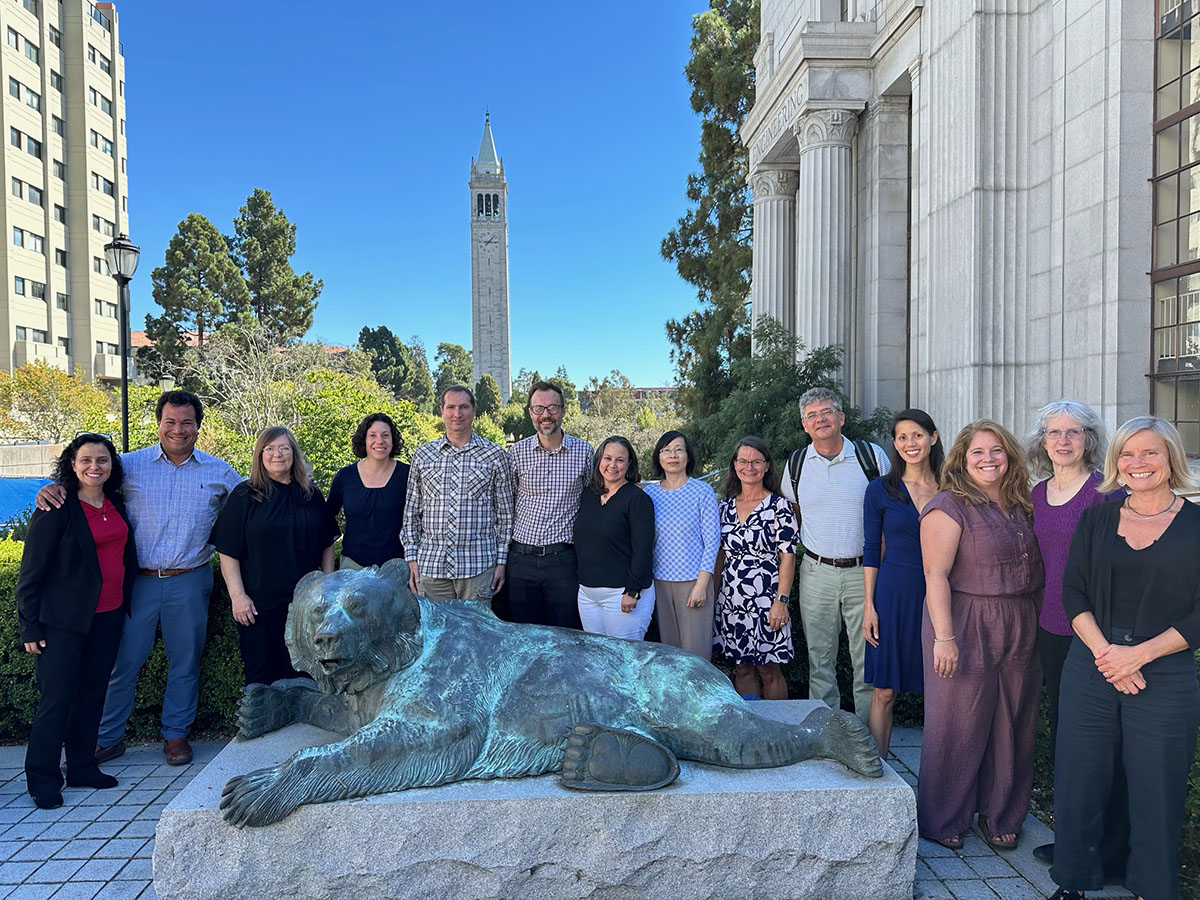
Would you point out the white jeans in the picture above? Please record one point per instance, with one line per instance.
(600, 612)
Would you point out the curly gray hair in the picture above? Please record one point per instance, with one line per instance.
(1094, 442)
(820, 395)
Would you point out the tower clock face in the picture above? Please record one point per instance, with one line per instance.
(488, 241)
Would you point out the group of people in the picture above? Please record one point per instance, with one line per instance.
(950, 575)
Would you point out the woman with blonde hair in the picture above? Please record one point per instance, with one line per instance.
(1131, 590)
(983, 577)
(272, 531)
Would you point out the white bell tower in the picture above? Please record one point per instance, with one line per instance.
(489, 265)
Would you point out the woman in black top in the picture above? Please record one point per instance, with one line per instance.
(1128, 695)
(272, 531)
(371, 492)
(73, 591)
(614, 542)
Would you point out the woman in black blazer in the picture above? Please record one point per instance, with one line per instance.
(73, 593)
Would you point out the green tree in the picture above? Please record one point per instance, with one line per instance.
(198, 287)
(612, 408)
(711, 244)
(401, 368)
(453, 366)
(527, 377)
(418, 384)
(40, 402)
(264, 242)
(487, 396)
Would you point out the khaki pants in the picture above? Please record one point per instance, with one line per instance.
(477, 587)
(680, 625)
(829, 597)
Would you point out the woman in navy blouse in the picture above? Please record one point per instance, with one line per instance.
(894, 582)
(371, 492)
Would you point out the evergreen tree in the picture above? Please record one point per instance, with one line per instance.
(198, 286)
(263, 244)
(453, 366)
(487, 396)
(402, 369)
(711, 244)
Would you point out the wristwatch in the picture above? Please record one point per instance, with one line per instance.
(782, 598)
(636, 595)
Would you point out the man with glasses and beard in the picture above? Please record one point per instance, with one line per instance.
(550, 469)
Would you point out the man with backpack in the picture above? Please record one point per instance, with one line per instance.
(826, 480)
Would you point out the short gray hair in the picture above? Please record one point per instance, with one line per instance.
(1181, 479)
(1094, 444)
(820, 395)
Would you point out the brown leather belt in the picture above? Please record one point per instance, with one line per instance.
(165, 573)
(845, 562)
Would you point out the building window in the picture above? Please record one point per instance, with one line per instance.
(62, 301)
(60, 213)
(29, 240)
(58, 126)
(110, 310)
(32, 51)
(60, 169)
(100, 142)
(14, 39)
(32, 6)
(35, 195)
(105, 63)
(39, 336)
(103, 225)
(60, 257)
(99, 265)
(99, 346)
(18, 187)
(100, 183)
(37, 290)
(101, 18)
(22, 333)
(99, 307)
(55, 37)
(65, 345)
(14, 88)
(18, 285)
(56, 80)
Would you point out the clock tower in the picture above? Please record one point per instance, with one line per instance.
(489, 265)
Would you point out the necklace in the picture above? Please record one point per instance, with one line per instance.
(1163, 512)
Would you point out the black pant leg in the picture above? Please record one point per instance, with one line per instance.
(99, 653)
(260, 646)
(560, 585)
(281, 657)
(58, 672)
(525, 602)
(1052, 649)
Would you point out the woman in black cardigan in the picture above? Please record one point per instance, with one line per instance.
(73, 593)
(1128, 697)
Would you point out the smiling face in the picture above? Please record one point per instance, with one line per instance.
(92, 465)
(822, 421)
(378, 441)
(673, 457)
(614, 463)
(458, 412)
(177, 431)
(1065, 441)
(546, 412)
(912, 442)
(277, 459)
(986, 462)
(1144, 463)
(750, 466)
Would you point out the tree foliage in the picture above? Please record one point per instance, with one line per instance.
(488, 400)
(401, 368)
(453, 366)
(710, 246)
(612, 408)
(198, 287)
(40, 402)
(527, 377)
(264, 242)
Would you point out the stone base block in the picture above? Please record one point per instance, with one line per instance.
(811, 830)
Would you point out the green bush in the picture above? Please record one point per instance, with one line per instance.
(220, 671)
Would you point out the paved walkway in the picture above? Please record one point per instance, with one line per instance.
(99, 843)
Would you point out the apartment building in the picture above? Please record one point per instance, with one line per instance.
(64, 169)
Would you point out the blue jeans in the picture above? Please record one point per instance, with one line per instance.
(180, 605)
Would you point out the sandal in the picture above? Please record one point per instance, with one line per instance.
(951, 843)
(994, 840)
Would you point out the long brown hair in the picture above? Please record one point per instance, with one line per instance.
(1014, 487)
(770, 481)
(261, 484)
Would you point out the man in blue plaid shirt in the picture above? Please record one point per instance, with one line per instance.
(550, 470)
(459, 510)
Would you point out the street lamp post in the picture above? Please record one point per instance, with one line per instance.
(122, 258)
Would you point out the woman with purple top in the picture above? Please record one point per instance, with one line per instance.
(1068, 446)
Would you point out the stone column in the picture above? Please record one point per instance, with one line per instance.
(824, 208)
(774, 274)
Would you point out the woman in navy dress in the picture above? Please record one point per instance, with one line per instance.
(894, 581)
(758, 544)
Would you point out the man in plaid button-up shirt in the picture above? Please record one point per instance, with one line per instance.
(459, 511)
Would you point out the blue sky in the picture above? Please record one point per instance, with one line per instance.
(361, 119)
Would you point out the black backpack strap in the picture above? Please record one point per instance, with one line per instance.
(794, 464)
(866, 459)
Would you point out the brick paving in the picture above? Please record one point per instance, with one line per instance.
(98, 844)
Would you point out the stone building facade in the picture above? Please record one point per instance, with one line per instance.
(489, 265)
(960, 194)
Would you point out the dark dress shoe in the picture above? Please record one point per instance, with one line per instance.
(1044, 854)
(48, 800)
(104, 754)
(178, 751)
(1064, 894)
(92, 778)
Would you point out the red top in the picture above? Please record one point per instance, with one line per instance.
(110, 532)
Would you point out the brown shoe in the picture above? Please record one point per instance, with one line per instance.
(178, 751)
(104, 754)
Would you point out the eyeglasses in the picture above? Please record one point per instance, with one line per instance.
(554, 409)
(827, 413)
(750, 463)
(1071, 434)
(672, 451)
(277, 451)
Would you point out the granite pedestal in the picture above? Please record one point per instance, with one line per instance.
(810, 830)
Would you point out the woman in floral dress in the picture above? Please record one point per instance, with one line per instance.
(758, 549)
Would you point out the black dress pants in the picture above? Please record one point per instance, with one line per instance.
(265, 656)
(72, 676)
(1114, 846)
(1156, 732)
(544, 590)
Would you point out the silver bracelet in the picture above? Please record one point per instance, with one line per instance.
(938, 640)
